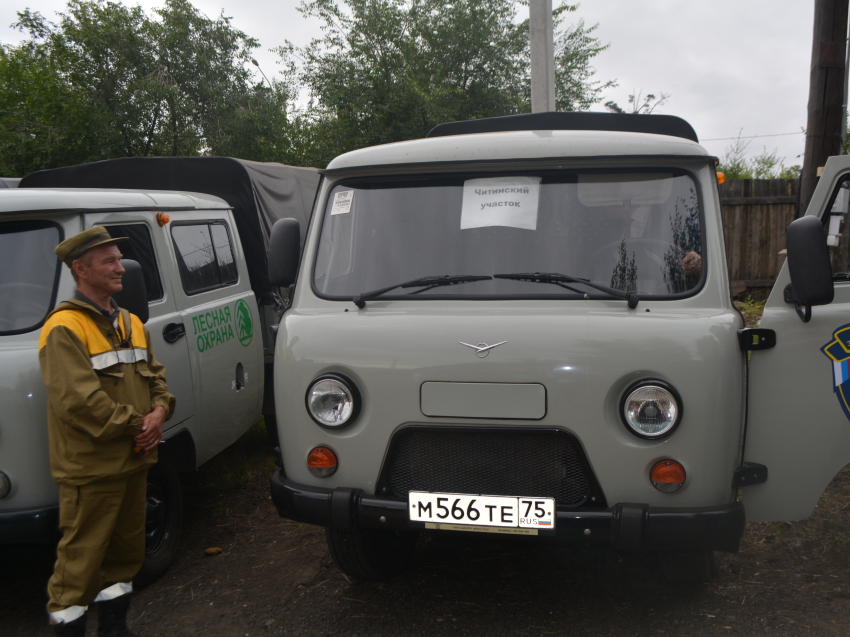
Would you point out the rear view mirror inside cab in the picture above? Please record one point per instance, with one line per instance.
(616, 188)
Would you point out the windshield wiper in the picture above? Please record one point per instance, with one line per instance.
(561, 279)
(425, 282)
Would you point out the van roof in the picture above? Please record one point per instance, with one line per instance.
(260, 193)
(508, 145)
(17, 200)
(621, 122)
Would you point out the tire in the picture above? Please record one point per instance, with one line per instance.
(694, 567)
(371, 554)
(163, 522)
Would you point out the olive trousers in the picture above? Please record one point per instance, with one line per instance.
(103, 539)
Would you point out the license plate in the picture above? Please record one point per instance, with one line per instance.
(482, 510)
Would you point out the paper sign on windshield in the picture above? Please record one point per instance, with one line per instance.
(500, 201)
(342, 202)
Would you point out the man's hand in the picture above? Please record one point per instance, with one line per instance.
(692, 264)
(151, 432)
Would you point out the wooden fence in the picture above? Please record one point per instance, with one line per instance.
(756, 214)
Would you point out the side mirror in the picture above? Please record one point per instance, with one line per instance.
(134, 296)
(809, 266)
(284, 252)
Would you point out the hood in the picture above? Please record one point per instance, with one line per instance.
(579, 358)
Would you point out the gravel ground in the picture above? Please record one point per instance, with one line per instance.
(275, 577)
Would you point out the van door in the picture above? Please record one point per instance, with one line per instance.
(148, 246)
(219, 311)
(799, 391)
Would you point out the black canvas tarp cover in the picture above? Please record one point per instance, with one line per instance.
(259, 193)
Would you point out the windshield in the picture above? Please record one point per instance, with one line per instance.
(28, 271)
(636, 232)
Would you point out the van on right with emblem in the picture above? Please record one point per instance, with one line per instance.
(524, 326)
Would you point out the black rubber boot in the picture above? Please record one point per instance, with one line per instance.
(76, 628)
(112, 617)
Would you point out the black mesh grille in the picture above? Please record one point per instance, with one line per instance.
(519, 463)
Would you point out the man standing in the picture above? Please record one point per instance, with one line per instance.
(107, 402)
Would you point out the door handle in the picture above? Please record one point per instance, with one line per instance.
(173, 332)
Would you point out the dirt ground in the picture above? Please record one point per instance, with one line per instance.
(275, 577)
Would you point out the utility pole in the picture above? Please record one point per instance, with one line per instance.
(826, 93)
(542, 56)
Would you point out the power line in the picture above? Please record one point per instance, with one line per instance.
(720, 139)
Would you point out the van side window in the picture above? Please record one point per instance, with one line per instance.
(838, 237)
(139, 247)
(204, 256)
(28, 274)
(224, 253)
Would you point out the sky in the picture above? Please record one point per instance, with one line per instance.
(730, 67)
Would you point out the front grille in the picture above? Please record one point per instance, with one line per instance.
(535, 463)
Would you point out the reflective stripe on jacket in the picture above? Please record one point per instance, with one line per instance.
(101, 381)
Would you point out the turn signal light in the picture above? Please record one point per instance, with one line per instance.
(322, 462)
(721, 178)
(668, 476)
(162, 218)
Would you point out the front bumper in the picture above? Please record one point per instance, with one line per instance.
(30, 526)
(627, 526)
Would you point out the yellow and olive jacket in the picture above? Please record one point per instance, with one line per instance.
(101, 383)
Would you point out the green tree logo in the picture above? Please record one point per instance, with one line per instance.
(244, 323)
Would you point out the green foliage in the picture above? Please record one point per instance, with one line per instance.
(110, 81)
(575, 47)
(639, 104)
(735, 164)
(390, 70)
(107, 80)
(44, 121)
(752, 309)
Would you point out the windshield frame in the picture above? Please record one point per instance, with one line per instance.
(469, 172)
(37, 224)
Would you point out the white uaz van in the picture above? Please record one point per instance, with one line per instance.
(200, 262)
(524, 325)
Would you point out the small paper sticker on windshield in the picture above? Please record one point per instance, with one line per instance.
(500, 201)
(342, 202)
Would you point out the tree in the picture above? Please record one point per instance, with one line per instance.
(575, 47)
(390, 70)
(735, 164)
(43, 120)
(122, 83)
(639, 104)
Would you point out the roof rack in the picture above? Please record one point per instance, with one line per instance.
(621, 122)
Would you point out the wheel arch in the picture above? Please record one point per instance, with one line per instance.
(179, 449)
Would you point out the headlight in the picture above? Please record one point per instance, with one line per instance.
(333, 401)
(651, 409)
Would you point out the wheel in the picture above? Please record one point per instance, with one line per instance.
(693, 567)
(163, 522)
(371, 554)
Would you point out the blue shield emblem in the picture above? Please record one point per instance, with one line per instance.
(838, 351)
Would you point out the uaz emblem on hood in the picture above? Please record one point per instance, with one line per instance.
(482, 349)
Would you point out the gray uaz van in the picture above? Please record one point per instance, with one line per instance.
(524, 326)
